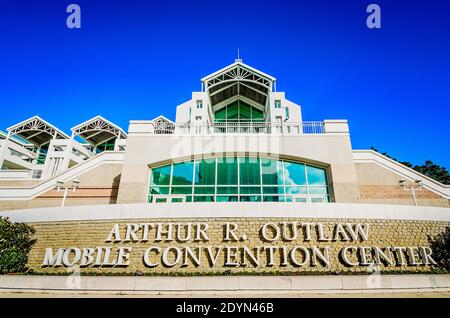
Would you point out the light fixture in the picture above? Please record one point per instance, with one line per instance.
(59, 184)
(413, 188)
(75, 184)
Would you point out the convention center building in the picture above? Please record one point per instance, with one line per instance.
(239, 181)
(237, 140)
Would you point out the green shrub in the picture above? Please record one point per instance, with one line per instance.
(441, 248)
(15, 243)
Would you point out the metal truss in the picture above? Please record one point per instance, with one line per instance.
(163, 126)
(238, 73)
(98, 126)
(39, 126)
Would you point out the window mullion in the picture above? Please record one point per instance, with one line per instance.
(215, 180)
(170, 181)
(239, 177)
(307, 184)
(194, 169)
(284, 181)
(260, 179)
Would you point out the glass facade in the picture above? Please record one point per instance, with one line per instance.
(239, 112)
(232, 179)
(107, 145)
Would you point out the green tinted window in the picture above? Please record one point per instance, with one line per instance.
(250, 190)
(247, 198)
(183, 173)
(181, 190)
(273, 198)
(205, 172)
(238, 111)
(223, 198)
(233, 112)
(221, 115)
(249, 171)
(257, 115)
(227, 170)
(273, 190)
(203, 198)
(316, 176)
(160, 176)
(227, 190)
(260, 179)
(159, 190)
(317, 190)
(296, 190)
(294, 173)
(272, 172)
(204, 190)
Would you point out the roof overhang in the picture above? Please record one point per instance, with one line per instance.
(37, 131)
(238, 79)
(161, 117)
(98, 130)
(242, 65)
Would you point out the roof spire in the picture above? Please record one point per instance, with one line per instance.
(238, 60)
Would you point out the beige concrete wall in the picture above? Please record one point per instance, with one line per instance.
(97, 186)
(332, 151)
(381, 186)
(18, 183)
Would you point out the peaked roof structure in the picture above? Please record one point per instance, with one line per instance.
(98, 130)
(162, 125)
(37, 131)
(161, 118)
(238, 79)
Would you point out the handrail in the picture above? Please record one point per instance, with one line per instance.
(254, 127)
(27, 193)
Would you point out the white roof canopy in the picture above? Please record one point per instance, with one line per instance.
(162, 125)
(37, 131)
(238, 79)
(98, 130)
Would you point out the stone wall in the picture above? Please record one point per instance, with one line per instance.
(381, 233)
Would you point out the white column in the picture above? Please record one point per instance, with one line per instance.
(4, 149)
(67, 154)
(116, 143)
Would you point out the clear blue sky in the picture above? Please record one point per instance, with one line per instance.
(138, 59)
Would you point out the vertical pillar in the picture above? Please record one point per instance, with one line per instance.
(4, 149)
(67, 153)
(116, 143)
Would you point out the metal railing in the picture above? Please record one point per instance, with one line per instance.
(311, 127)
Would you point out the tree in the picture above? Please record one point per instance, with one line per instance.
(15, 243)
(434, 171)
(440, 246)
(429, 168)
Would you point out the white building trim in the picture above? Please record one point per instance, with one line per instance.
(194, 211)
(228, 285)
